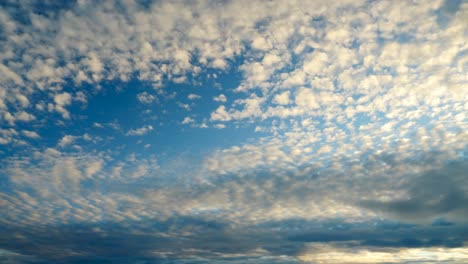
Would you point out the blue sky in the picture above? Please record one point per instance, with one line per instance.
(233, 132)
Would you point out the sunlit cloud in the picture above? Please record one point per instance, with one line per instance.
(233, 131)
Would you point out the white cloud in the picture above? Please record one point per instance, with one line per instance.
(23, 100)
(282, 99)
(271, 59)
(7, 74)
(337, 63)
(24, 116)
(62, 99)
(140, 171)
(281, 55)
(193, 96)
(329, 254)
(140, 131)
(219, 64)
(220, 98)
(30, 134)
(93, 167)
(306, 98)
(81, 97)
(87, 137)
(261, 43)
(145, 98)
(220, 114)
(67, 140)
(97, 125)
(187, 120)
(7, 135)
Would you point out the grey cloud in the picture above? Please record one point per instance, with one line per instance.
(230, 219)
(179, 238)
(436, 193)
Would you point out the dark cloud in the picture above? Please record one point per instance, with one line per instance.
(208, 237)
(433, 194)
(190, 240)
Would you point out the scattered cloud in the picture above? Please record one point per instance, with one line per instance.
(193, 96)
(187, 120)
(67, 140)
(343, 140)
(140, 131)
(220, 98)
(30, 134)
(145, 98)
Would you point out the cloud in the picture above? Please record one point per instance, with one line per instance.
(263, 200)
(187, 120)
(81, 97)
(93, 167)
(220, 126)
(67, 140)
(30, 134)
(24, 116)
(9, 75)
(220, 98)
(193, 96)
(221, 114)
(62, 99)
(282, 99)
(435, 193)
(360, 105)
(145, 98)
(333, 52)
(140, 131)
(23, 100)
(323, 253)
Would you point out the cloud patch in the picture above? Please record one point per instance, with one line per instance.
(140, 131)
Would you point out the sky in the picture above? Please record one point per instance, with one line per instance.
(222, 131)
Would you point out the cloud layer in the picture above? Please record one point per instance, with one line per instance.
(233, 131)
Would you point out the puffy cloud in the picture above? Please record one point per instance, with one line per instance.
(220, 114)
(145, 98)
(317, 49)
(220, 98)
(360, 104)
(306, 98)
(219, 64)
(282, 99)
(140, 131)
(23, 100)
(30, 134)
(8, 75)
(261, 43)
(62, 99)
(67, 140)
(24, 116)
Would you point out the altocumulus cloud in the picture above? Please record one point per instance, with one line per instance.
(233, 132)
